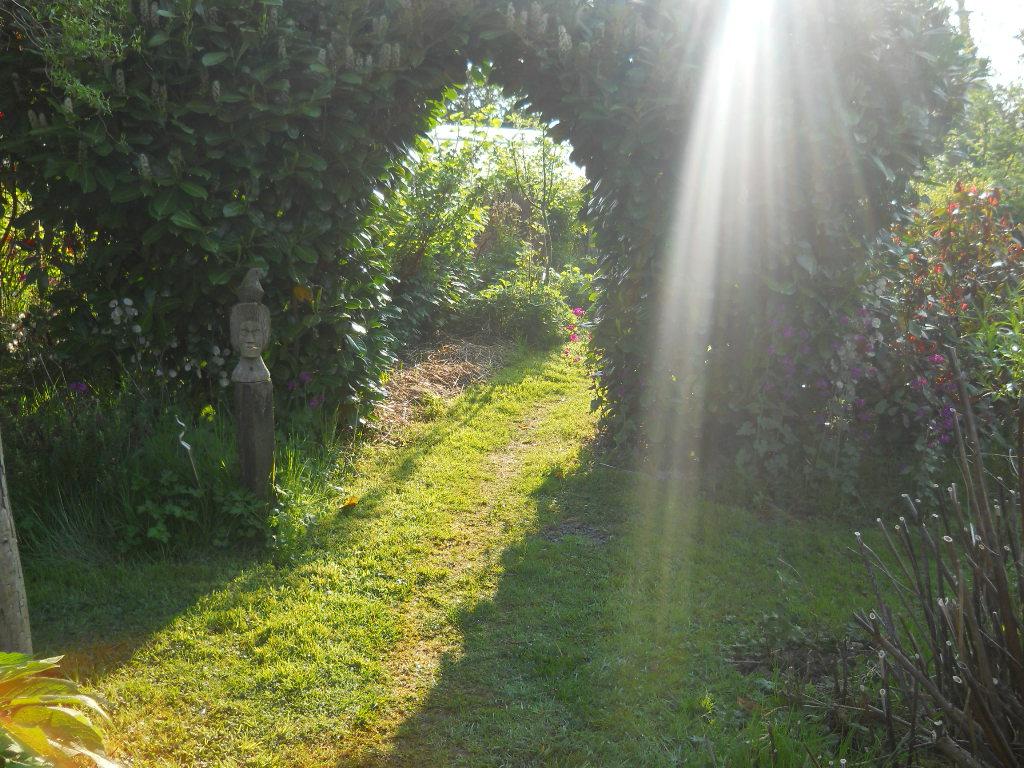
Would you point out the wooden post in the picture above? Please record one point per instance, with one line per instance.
(15, 631)
(254, 392)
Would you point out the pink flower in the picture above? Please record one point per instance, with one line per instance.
(578, 311)
(937, 359)
(574, 337)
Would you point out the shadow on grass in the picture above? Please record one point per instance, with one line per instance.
(100, 613)
(554, 667)
(605, 643)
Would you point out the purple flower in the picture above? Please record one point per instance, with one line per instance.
(919, 382)
(937, 359)
(787, 332)
(856, 373)
(79, 387)
(305, 377)
(293, 385)
(317, 401)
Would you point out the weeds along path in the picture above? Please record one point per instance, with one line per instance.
(317, 660)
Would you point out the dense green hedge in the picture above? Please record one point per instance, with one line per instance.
(253, 132)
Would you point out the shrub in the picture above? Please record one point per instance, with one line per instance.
(536, 314)
(575, 285)
(135, 472)
(253, 134)
(948, 622)
(871, 388)
(46, 721)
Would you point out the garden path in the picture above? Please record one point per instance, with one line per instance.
(494, 597)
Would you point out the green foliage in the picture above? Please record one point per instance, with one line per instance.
(137, 473)
(254, 134)
(66, 32)
(536, 314)
(984, 148)
(46, 721)
(575, 285)
(428, 228)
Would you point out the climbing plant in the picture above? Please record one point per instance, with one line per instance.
(254, 132)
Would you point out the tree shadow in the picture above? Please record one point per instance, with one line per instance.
(559, 652)
(606, 642)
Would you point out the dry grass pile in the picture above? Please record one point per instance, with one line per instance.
(429, 376)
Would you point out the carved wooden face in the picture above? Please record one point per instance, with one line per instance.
(250, 329)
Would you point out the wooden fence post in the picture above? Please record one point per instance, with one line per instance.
(15, 631)
(254, 391)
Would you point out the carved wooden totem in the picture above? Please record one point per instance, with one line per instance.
(254, 392)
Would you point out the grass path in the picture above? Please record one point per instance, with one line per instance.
(494, 598)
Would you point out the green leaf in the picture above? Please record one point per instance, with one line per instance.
(159, 38)
(234, 208)
(186, 220)
(213, 58)
(193, 189)
(164, 204)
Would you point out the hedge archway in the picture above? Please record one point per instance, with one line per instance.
(255, 132)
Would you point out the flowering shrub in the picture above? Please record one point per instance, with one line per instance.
(577, 336)
(942, 278)
(875, 383)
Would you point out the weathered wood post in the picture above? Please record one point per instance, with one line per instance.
(15, 632)
(254, 392)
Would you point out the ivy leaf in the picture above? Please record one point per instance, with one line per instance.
(213, 58)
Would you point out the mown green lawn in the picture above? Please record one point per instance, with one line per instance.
(496, 597)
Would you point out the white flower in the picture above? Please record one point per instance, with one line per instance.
(172, 373)
(113, 303)
(128, 302)
(136, 329)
